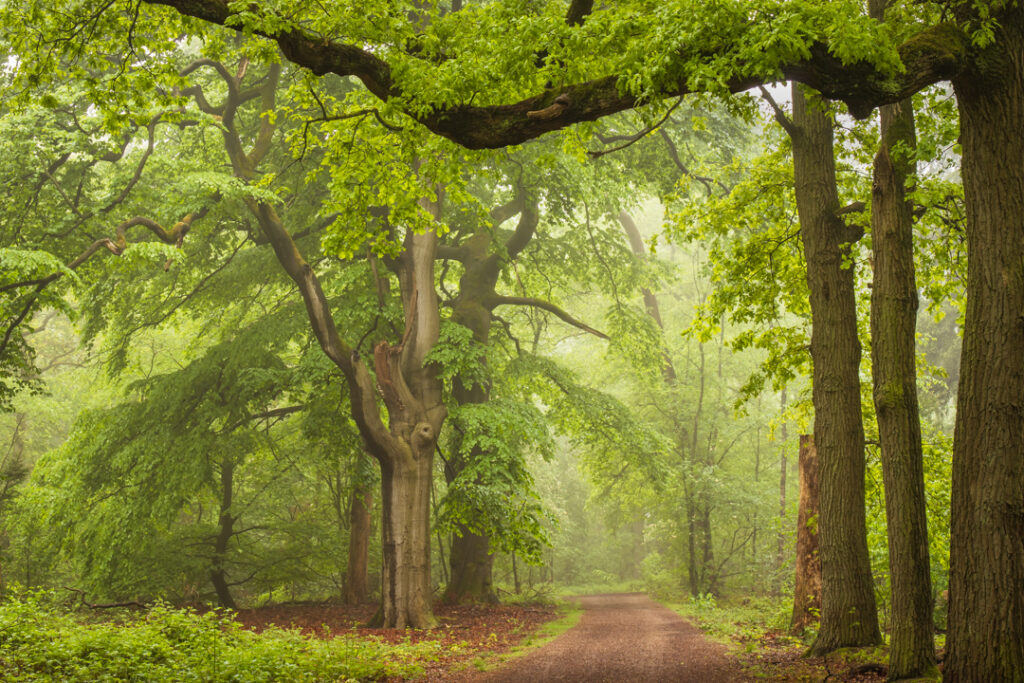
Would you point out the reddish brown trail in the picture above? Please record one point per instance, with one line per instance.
(623, 638)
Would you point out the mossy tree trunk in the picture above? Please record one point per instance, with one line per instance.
(894, 372)
(849, 616)
(986, 612)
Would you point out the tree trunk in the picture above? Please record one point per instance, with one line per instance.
(849, 616)
(986, 613)
(807, 591)
(409, 388)
(893, 321)
(226, 529)
(780, 557)
(406, 595)
(356, 589)
(693, 567)
(471, 563)
(471, 557)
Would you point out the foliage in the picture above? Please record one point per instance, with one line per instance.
(43, 642)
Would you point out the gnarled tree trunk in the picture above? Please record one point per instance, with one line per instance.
(411, 391)
(471, 559)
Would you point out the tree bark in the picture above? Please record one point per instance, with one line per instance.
(986, 613)
(894, 371)
(356, 590)
(405, 573)
(780, 557)
(226, 529)
(471, 564)
(807, 591)
(849, 616)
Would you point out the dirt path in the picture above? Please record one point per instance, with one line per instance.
(623, 638)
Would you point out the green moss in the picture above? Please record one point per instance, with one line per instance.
(945, 43)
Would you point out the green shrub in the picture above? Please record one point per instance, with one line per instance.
(41, 642)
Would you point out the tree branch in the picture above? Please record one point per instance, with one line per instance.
(631, 139)
(525, 229)
(937, 53)
(780, 114)
(499, 300)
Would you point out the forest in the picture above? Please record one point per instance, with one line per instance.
(358, 342)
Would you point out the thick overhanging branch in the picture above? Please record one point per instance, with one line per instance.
(936, 54)
(498, 300)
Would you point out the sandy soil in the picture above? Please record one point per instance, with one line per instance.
(623, 638)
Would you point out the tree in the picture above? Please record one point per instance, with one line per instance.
(848, 613)
(894, 374)
(727, 50)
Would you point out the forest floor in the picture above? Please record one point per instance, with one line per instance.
(467, 635)
(619, 637)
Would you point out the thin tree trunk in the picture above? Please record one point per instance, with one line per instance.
(894, 371)
(226, 529)
(356, 589)
(849, 616)
(986, 613)
(807, 590)
(780, 558)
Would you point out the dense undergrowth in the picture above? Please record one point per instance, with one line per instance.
(41, 641)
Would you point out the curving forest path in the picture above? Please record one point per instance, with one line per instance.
(623, 637)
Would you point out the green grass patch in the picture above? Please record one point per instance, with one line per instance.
(39, 641)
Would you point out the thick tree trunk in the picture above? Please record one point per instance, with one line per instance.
(410, 389)
(406, 595)
(807, 591)
(849, 616)
(471, 556)
(986, 613)
(471, 560)
(893, 321)
(356, 589)
(471, 564)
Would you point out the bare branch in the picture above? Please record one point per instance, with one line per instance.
(631, 139)
(780, 114)
(499, 300)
